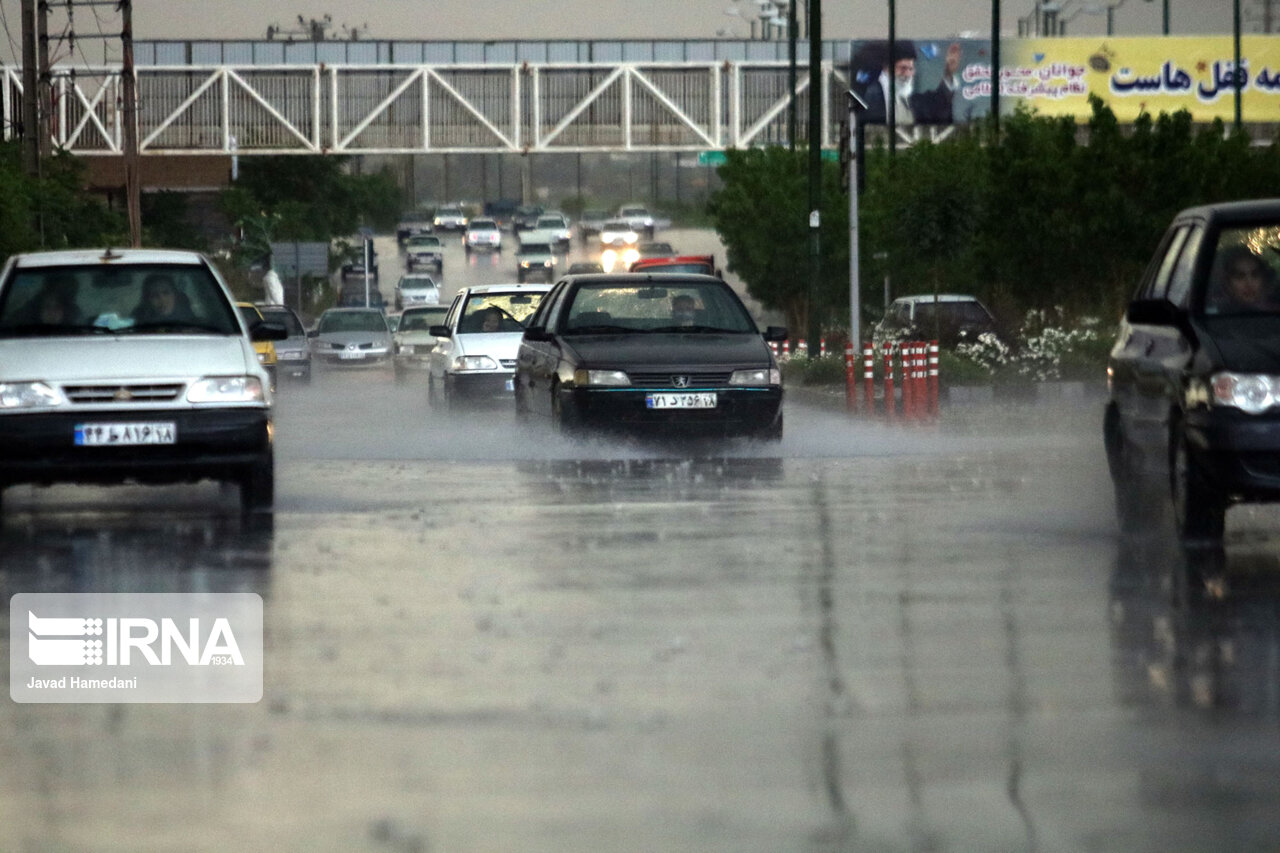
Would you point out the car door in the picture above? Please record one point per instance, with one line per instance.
(442, 352)
(1153, 349)
(538, 360)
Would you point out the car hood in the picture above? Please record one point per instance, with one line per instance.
(345, 338)
(415, 337)
(1247, 344)
(500, 345)
(291, 344)
(669, 349)
(126, 357)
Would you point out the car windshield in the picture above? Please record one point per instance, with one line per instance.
(421, 321)
(483, 225)
(137, 299)
(424, 240)
(498, 312)
(534, 249)
(1244, 278)
(680, 306)
(352, 321)
(551, 222)
(417, 283)
(952, 313)
(287, 319)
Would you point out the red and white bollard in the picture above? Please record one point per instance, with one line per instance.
(890, 403)
(786, 349)
(802, 349)
(822, 347)
(933, 379)
(869, 376)
(850, 379)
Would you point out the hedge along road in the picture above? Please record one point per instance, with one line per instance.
(480, 637)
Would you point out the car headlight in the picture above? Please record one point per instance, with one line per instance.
(1248, 392)
(600, 377)
(226, 389)
(760, 376)
(474, 362)
(629, 257)
(28, 395)
(262, 358)
(406, 349)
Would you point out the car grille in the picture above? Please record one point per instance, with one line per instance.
(87, 394)
(368, 345)
(666, 379)
(508, 363)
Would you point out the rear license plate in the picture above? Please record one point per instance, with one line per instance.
(118, 434)
(705, 400)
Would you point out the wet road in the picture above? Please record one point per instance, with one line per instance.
(482, 638)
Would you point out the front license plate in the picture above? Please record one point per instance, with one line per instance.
(350, 355)
(705, 400)
(118, 434)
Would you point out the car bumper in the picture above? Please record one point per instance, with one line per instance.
(738, 411)
(211, 444)
(294, 369)
(1239, 453)
(413, 362)
(422, 261)
(481, 387)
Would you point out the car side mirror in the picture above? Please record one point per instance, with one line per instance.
(775, 334)
(537, 333)
(1154, 312)
(440, 332)
(314, 333)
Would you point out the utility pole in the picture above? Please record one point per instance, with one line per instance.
(129, 115)
(30, 96)
(44, 83)
(792, 33)
(995, 70)
(815, 166)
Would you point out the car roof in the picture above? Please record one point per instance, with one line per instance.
(359, 309)
(633, 278)
(482, 222)
(503, 288)
(94, 257)
(1231, 211)
(940, 297)
(434, 309)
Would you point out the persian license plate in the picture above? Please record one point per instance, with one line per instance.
(701, 400)
(350, 354)
(119, 434)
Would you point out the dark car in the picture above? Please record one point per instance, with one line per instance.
(663, 354)
(1194, 375)
(948, 318)
(526, 216)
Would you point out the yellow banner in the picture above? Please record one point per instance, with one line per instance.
(1134, 75)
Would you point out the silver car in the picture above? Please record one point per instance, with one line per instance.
(131, 365)
(293, 354)
(416, 289)
(413, 338)
(351, 337)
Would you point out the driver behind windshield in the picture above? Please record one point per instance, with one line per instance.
(162, 302)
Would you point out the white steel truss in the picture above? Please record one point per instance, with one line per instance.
(407, 109)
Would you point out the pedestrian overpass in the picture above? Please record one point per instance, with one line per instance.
(353, 109)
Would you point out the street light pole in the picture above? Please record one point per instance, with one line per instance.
(792, 33)
(815, 164)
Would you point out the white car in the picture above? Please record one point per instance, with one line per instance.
(131, 365)
(482, 234)
(351, 338)
(413, 340)
(449, 218)
(617, 233)
(475, 359)
(638, 217)
(424, 250)
(557, 227)
(416, 289)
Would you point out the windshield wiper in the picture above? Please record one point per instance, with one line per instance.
(699, 329)
(174, 326)
(49, 330)
(598, 329)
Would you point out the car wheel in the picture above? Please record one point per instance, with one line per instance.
(565, 418)
(258, 485)
(1198, 509)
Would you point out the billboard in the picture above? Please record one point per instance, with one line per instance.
(948, 81)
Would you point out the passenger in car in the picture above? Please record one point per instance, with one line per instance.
(684, 310)
(54, 305)
(1242, 282)
(162, 302)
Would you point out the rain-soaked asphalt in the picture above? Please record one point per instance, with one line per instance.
(478, 637)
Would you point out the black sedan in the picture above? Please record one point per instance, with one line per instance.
(1194, 408)
(661, 354)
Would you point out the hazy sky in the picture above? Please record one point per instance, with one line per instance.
(552, 19)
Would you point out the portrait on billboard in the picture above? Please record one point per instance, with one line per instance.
(924, 81)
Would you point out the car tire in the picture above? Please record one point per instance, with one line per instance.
(1199, 510)
(565, 419)
(258, 485)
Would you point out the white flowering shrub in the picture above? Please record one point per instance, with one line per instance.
(1050, 348)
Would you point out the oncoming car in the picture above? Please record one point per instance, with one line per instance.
(266, 350)
(413, 339)
(131, 366)
(351, 337)
(658, 354)
(476, 356)
(1193, 415)
(482, 234)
